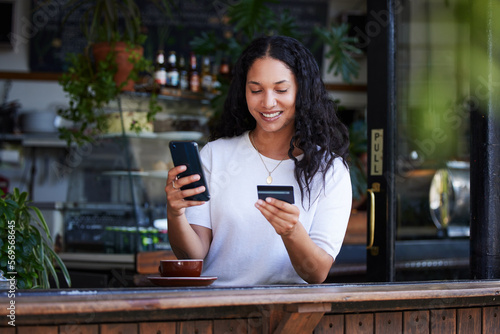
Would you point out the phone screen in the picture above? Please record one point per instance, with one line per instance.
(187, 153)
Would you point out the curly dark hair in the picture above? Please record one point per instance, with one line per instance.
(319, 133)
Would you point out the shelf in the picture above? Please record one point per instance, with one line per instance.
(172, 94)
(35, 139)
(160, 174)
(170, 135)
(98, 261)
(52, 139)
(96, 207)
(33, 76)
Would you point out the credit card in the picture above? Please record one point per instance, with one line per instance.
(283, 193)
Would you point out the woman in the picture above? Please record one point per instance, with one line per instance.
(278, 127)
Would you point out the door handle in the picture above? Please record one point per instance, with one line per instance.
(371, 231)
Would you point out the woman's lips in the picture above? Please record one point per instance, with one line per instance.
(271, 115)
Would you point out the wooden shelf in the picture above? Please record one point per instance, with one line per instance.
(35, 76)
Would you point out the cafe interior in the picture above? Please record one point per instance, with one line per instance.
(414, 82)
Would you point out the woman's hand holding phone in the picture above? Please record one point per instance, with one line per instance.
(176, 197)
(187, 241)
(185, 153)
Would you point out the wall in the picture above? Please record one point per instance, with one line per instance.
(33, 95)
(36, 96)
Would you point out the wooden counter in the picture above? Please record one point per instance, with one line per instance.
(437, 307)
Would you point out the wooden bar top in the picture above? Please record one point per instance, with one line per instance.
(443, 307)
(33, 306)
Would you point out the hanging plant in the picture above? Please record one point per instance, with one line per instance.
(93, 80)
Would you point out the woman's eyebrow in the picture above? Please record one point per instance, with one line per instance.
(258, 83)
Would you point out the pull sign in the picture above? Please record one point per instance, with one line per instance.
(377, 152)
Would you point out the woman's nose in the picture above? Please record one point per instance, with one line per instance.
(269, 101)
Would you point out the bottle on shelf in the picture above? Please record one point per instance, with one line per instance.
(183, 74)
(215, 81)
(160, 74)
(206, 76)
(224, 70)
(194, 75)
(172, 71)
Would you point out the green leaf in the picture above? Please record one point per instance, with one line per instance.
(12, 202)
(32, 240)
(33, 235)
(286, 25)
(21, 198)
(37, 266)
(251, 17)
(208, 44)
(61, 265)
(10, 208)
(21, 270)
(24, 284)
(49, 268)
(41, 250)
(19, 237)
(341, 51)
(42, 222)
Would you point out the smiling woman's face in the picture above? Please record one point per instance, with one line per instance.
(271, 90)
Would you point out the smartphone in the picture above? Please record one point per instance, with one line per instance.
(187, 153)
(283, 193)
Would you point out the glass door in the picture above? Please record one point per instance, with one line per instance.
(418, 137)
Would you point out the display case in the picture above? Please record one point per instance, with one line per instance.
(116, 199)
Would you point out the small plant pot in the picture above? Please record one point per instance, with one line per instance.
(122, 56)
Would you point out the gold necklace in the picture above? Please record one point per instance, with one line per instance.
(269, 179)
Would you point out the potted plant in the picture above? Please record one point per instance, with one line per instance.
(110, 64)
(26, 246)
(112, 27)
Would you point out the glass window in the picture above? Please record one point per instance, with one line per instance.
(432, 181)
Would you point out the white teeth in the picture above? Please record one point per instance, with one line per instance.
(274, 114)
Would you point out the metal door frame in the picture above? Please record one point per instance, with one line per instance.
(381, 125)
